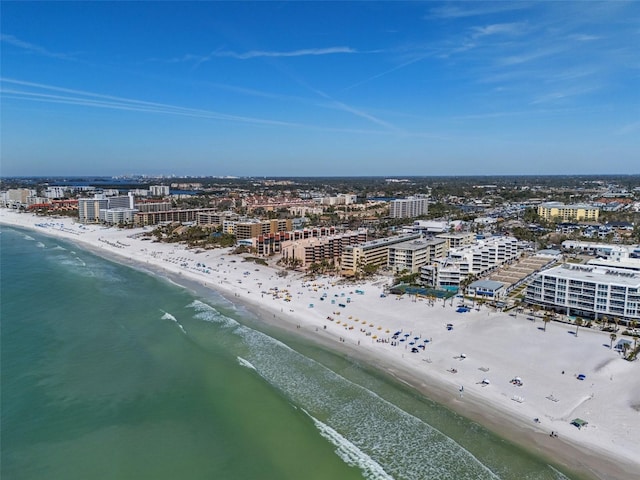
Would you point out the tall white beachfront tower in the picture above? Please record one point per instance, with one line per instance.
(409, 207)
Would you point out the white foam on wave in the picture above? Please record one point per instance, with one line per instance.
(168, 316)
(27, 237)
(40, 245)
(58, 247)
(375, 425)
(209, 314)
(350, 454)
(246, 363)
(559, 475)
(77, 266)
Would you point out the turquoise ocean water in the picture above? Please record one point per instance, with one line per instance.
(113, 373)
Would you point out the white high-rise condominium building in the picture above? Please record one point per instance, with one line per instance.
(589, 291)
(159, 190)
(478, 259)
(409, 207)
(53, 191)
(89, 209)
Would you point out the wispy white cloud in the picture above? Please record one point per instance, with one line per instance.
(221, 53)
(252, 92)
(514, 28)
(362, 114)
(470, 40)
(386, 72)
(41, 92)
(37, 92)
(294, 53)
(327, 102)
(336, 104)
(32, 48)
(528, 56)
(475, 9)
(526, 113)
(560, 95)
(581, 37)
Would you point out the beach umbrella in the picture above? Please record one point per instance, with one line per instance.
(416, 338)
(407, 334)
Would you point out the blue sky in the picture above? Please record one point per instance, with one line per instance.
(305, 88)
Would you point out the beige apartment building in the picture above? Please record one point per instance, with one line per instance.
(181, 216)
(457, 239)
(271, 243)
(374, 252)
(247, 230)
(411, 255)
(560, 212)
(315, 250)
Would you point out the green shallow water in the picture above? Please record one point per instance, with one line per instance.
(109, 372)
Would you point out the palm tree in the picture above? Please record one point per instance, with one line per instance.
(546, 319)
(625, 348)
(605, 320)
(633, 325)
(616, 321)
(613, 337)
(578, 322)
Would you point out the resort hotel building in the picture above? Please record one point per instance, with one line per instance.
(313, 249)
(560, 212)
(589, 291)
(101, 207)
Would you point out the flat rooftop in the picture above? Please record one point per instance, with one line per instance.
(596, 274)
(416, 244)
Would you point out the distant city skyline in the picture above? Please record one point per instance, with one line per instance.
(319, 89)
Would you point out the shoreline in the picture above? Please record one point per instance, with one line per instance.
(494, 343)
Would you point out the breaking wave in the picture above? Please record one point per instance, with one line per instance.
(350, 454)
(383, 440)
(168, 316)
(246, 363)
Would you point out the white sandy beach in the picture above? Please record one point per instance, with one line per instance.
(482, 345)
